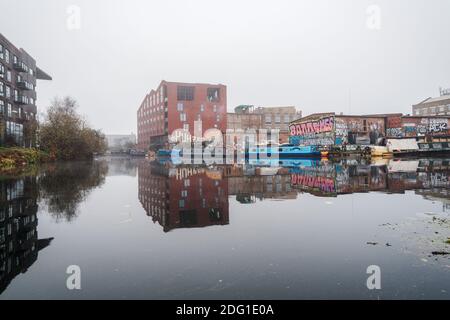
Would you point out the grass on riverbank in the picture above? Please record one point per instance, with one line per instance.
(15, 158)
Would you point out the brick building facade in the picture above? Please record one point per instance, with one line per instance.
(175, 105)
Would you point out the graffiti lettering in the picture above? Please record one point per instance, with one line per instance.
(322, 183)
(312, 127)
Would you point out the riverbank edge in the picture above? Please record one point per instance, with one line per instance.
(21, 159)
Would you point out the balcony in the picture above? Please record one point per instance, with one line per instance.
(20, 67)
(24, 85)
(21, 99)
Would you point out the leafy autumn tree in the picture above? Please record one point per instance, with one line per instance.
(65, 135)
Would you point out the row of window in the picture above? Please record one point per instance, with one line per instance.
(8, 110)
(187, 93)
(433, 110)
(277, 118)
(5, 56)
(5, 91)
(180, 107)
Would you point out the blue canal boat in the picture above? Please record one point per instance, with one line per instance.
(284, 151)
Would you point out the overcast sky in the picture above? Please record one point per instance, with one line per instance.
(336, 55)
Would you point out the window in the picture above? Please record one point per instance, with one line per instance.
(213, 94)
(2, 55)
(15, 60)
(183, 116)
(2, 107)
(2, 89)
(179, 106)
(277, 118)
(185, 93)
(218, 118)
(6, 55)
(186, 127)
(9, 109)
(8, 92)
(8, 76)
(268, 118)
(214, 108)
(2, 71)
(287, 118)
(202, 108)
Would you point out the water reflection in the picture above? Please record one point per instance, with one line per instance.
(427, 177)
(63, 186)
(183, 197)
(59, 188)
(197, 196)
(19, 243)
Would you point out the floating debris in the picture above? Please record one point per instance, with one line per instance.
(440, 253)
(372, 243)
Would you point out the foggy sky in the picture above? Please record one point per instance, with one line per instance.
(317, 55)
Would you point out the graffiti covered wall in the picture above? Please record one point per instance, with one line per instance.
(409, 127)
(318, 131)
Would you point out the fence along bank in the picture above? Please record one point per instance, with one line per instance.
(401, 134)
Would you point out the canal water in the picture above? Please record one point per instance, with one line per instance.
(300, 229)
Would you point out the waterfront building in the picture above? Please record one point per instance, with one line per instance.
(120, 142)
(250, 117)
(176, 105)
(439, 106)
(330, 129)
(18, 75)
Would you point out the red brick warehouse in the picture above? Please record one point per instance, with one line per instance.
(176, 105)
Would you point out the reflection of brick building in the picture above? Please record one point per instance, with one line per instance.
(183, 197)
(19, 243)
(249, 188)
(176, 105)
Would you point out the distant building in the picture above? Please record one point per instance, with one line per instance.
(175, 105)
(18, 75)
(120, 142)
(439, 106)
(250, 117)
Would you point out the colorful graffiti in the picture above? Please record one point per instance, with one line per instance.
(312, 127)
(324, 184)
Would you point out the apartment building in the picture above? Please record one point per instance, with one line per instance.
(18, 75)
(176, 105)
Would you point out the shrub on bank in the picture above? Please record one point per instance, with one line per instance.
(12, 158)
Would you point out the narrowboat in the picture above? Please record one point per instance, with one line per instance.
(284, 151)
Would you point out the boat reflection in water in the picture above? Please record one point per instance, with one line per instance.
(19, 243)
(197, 196)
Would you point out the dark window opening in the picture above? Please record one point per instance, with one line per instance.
(213, 94)
(188, 218)
(185, 93)
(215, 215)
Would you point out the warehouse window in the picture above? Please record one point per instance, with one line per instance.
(185, 93)
(213, 94)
